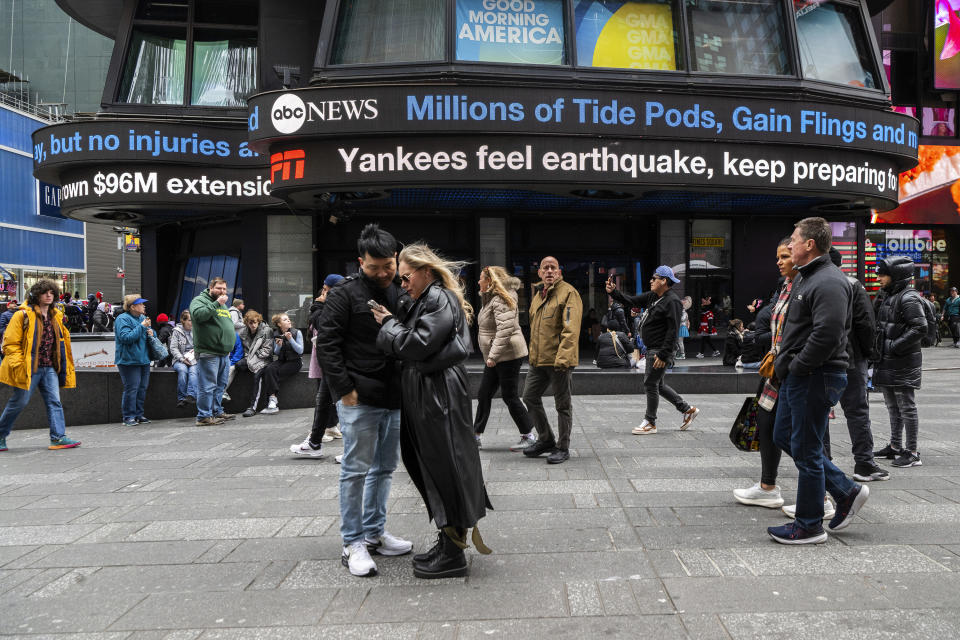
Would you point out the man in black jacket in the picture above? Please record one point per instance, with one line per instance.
(812, 369)
(856, 406)
(658, 328)
(367, 384)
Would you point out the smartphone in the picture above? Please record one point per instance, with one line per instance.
(373, 304)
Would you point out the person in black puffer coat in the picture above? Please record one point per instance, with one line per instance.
(901, 324)
(613, 350)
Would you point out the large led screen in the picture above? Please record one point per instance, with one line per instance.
(625, 35)
(946, 44)
(519, 31)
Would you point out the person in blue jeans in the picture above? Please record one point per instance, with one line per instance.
(367, 385)
(213, 339)
(37, 355)
(184, 360)
(811, 368)
(131, 329)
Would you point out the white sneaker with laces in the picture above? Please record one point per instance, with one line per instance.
(305, 450)
(389, 545)
(334, 432)
(688, 417)
(760, 497)
(271, 406)
(326, 438)
(644, 429)
(526, 440)
(357, 559)
(829, 510)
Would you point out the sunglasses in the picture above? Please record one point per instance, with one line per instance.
(406, 277)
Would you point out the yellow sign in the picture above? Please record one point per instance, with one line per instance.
(131, 242)
(707, 242)
(637, 36)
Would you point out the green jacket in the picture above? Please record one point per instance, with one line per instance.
(212, 326)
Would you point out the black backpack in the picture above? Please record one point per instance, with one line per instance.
(930, 337)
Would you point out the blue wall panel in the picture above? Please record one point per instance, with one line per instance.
(40, 249)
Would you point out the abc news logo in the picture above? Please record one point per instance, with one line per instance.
(289, 112)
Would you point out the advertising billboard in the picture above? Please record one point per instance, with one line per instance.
(626, 35)
(517, 31)
(946, 45)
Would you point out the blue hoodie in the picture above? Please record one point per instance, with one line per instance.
(130, 338)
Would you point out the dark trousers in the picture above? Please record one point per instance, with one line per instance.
(769, 451)
(506, 375)
(655, 387)
(538, 379)
(324, 412)
(856, 408)
(954, 323)
(705, 342)
(277, 371)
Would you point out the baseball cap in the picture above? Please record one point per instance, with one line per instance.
(139, 301)
(666, 272)
(333, 280)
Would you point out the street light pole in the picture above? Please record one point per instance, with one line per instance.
(123, 265)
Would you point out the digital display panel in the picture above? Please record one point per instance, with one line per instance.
(946, 45)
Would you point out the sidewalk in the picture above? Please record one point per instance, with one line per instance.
(175, 532)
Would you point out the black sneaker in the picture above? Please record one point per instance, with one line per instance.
(795, 534)
(540, 447)
(249, 413)
(558, 456)
(869, 471)
(144, 420)
(848, 507)
(887, 452)
(907, 459)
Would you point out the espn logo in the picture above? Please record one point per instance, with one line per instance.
(282, 163)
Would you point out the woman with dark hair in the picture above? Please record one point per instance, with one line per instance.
(708, 328)
(288, 347)
(436, 435)
(132, 358)
(37, 354)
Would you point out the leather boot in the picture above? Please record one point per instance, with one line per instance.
(450, 562)
(432, 552)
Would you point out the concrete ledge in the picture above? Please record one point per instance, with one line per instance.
(96, 400)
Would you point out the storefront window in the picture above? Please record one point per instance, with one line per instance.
(397, 31)
(197, 274)
(844, 240)
(224, 71)
(673, 249)
(155, 68)
(710, 245)
(627, 35)
(290, 267)
(516, 31)
(833, 43)
(738, 36)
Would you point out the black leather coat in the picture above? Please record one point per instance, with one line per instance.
(901, 324)
(436, 427)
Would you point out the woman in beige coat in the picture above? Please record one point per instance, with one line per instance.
(503, 349)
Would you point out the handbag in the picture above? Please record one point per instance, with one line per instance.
(155, 348)
(455, 350)
(743, 433)
(766, 369)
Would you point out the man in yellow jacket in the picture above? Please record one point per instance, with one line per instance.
(555, 314)
(37, 354)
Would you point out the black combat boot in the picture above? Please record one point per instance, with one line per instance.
(432, 552)
(450, 561)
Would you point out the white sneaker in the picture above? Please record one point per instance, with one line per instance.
(271, 406)
(644, 429)
(356, 558)
(688, 417)
(525, 441)
(305, 450)
(334, 432)
(760, 497)
(389, 545)
(338, 458)
(326, 438)
(829, 511)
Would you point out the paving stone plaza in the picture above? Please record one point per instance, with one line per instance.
(173, 532)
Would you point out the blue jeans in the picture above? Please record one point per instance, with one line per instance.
(212, 374)
(186, 380)
(803, 410)
(135, 379)
(49, 382)
(371, 451)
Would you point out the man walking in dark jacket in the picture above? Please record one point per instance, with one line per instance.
(951, 315)
(901, 325)
(854, 401)
(367, 386)
(812, 369)
(658, 329)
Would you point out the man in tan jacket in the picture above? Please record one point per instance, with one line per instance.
(555, 313)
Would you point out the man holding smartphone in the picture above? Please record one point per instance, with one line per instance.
(659, 326)
(367, 384)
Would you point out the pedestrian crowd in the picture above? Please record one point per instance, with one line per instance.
(389, 346)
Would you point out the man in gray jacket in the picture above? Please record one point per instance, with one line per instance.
(812, 369)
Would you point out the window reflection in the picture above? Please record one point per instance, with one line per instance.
(396, 31)
(833, 43)
(626, 35)
(224, 71)
(738, 36)
(154, 71)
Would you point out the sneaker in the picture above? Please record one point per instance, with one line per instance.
(144, 420)
(526, 440)
(334, 432)
(338, 459)
(680, 357)
(63, 442)
(181, 403)
(226, 416)
(306, 449)
(688, 417)
(795, 534)
(848, 507)
(3, 444)
(646, 428)
(870, 471)
(249, 413)
(829, 510)
(208, 422)
(559, 456)
(388, 545)
(325, 438)
(271, 406)
(129, 423)
(887, 452)
(700, 356)
(716, 354)
(540, 447)
(225, 397)
(477, 438)
(907, 459)
(356, 558)
(760, 497)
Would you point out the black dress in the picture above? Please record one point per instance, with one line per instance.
(436, 429)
